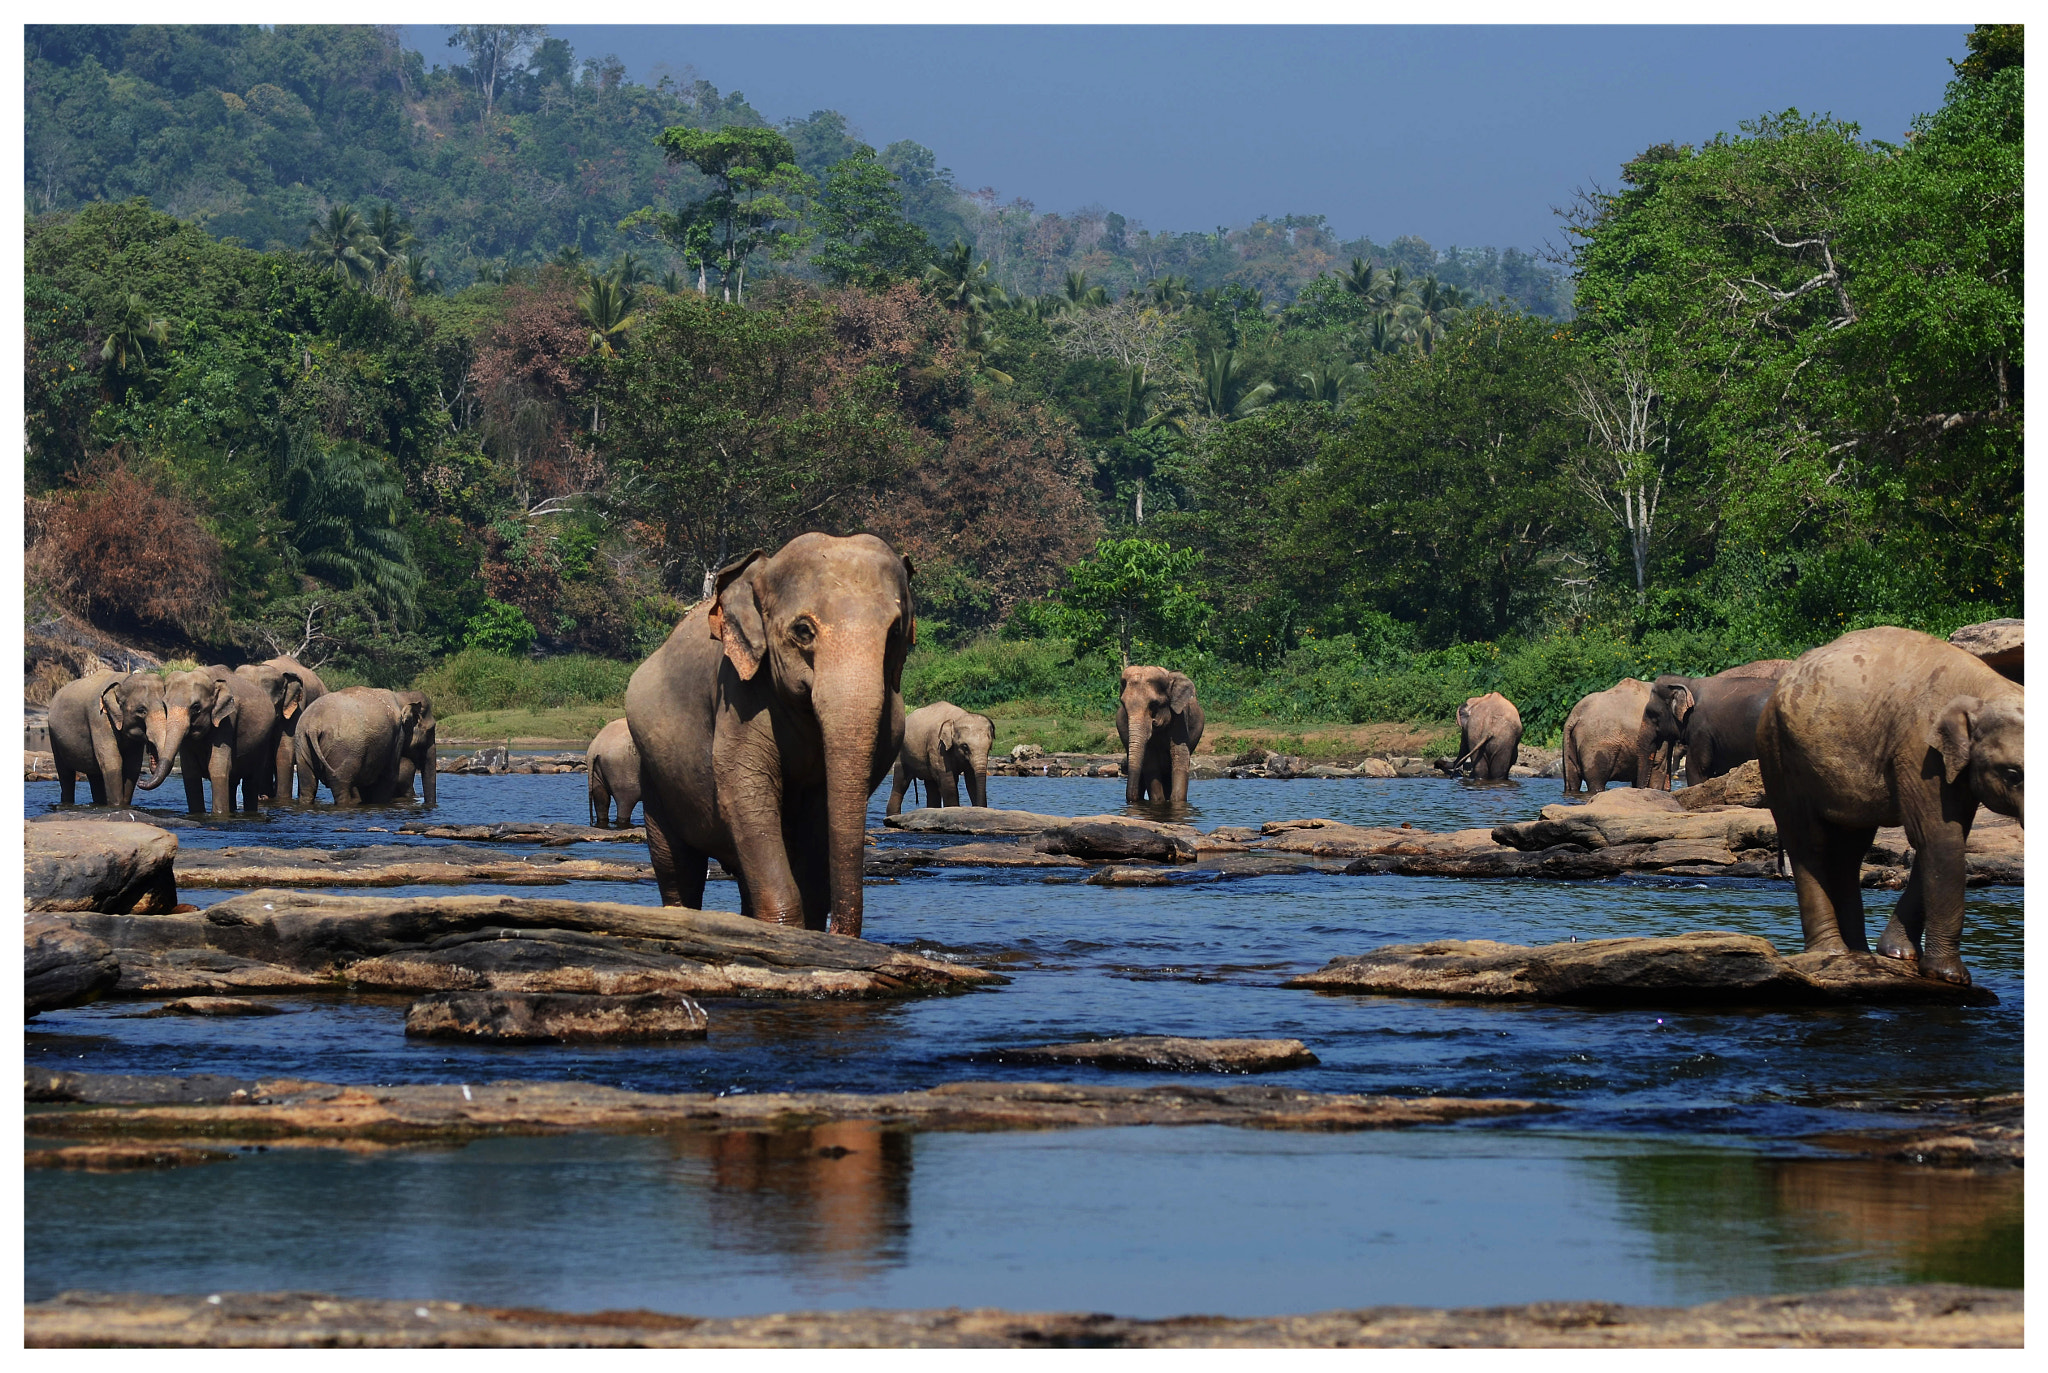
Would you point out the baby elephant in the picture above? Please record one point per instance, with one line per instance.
(614, 766)
(943, 745)
(365, 744)
(1889, 727)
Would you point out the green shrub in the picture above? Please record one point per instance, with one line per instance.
(501, 628)
(477, 679)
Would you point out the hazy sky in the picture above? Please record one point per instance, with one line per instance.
(1461, 135)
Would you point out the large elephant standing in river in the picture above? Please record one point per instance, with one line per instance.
(1712, 718)
(1660, 737)
(1889, 727)
(287, 693)
(311, 689)
(1160, 723)
(765, 722)
(613, 768)
(221, 729)
(943, 746)
(363, 744)
(99, 729)
(1489, 737)
(1601, 740)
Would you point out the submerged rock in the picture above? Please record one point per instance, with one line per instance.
(214, 1006)
(1167, 1053)
(122, 1158)
(1713, 967)
(1117, 839)
(64, 966)
(85, 865)
(554, 1018)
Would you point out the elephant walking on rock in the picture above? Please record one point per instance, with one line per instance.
(766, 721)
(364, 744)
(1160, 723)
(1601, 737)
(1889, 726)
(1489, 737)
(613, 768)
(99, 730)
(943, 746)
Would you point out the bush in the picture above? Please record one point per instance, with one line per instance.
(501, 628)
(477, 679)
(124, 554)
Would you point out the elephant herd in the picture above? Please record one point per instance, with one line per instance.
(1636, 732)
(252, 730)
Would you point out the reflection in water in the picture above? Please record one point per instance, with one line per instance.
(839, 1194)
(1789, 1225)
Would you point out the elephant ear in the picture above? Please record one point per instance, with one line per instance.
(408, 714)
(1681, 700)
(294, 695)
(1180, 693)
(224, 703)
(1950, 736)
(736, 618)
(106, 708)
(949, 736)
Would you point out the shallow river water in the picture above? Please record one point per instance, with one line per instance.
(1675, 1175)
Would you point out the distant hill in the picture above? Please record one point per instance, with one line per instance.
(252, 131)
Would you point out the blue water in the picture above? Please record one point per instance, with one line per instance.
(1673, 1119)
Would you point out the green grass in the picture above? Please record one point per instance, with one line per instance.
(560, 725)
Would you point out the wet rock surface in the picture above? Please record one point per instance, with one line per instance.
(1742, 787)
(122, 1158)
(119, 815)
(555, 1018)
(83, 865)
(393, 865)
(313, 1113)
(274, 940)
(1168, 1053)
(525, 832)
(64, 966)
(1119, 840)
(1977, 1132)
(1708, 968)
(1936, 1316)
(215, 1007)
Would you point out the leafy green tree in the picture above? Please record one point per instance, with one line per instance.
(1132, 592)
(342, 244)
(757, 202)
(608, 306)
(495, 53)
(863, 238)
(501, 628)
(346, 508)
(130, 336)
(963, 284)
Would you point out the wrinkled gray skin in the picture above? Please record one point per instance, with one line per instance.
(221, 729)
(287, 693)
(311, 690)
(614, 772)
(1660, 738)
(1489, 737)
(1160, 723)
(99, 729)
(1601, 738)
(944, 745)
(1889, 727)
(357, 741)
(767, 719)
(1712, 718)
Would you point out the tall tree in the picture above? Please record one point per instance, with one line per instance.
(863, 238)
(757, 201)
(495, 52)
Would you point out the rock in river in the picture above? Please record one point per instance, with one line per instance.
(544, 1018)
(1714, 967)
(214, 1007)
(64, 966)
(1120, 839)
(83, 865)
(1168, 1053)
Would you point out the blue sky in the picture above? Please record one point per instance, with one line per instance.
(1463, 135)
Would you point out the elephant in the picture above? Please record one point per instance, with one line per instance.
(222, 729)
(1660, 744)
(1489, 737)
(99, 729)
(614, 767)
(941, 745)
(419, 757)
(1712, 718)
(311, 690)
(287, 692)
(1601, 738)
(1889, 726)
(1160, 723)
(766, 720)
(363, 744)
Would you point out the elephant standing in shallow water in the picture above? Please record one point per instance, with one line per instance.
(1883, 727)
(364, 744)
(942, 746)
(99, 729)
(1160, 723)
(1489, 737)
(766, 721)
(1602, 737)
(221, 729)
(612, 767)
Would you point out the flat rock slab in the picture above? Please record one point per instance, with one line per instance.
(217, 1007)
(275, 940)
(1116, 839)
(118, 815)
(1978, 1132)
(1710, 968)
(1928, 1316)
(983, 820)
(555, 1018)
(63, 965)
(122, 1158)
(396, 865)
(1167, 1053)
(312, 1113)
(525, 832)
(86, 865)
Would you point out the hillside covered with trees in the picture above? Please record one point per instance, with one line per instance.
(505, 356)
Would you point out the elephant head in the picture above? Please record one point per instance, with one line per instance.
(965, 741)
(1989, 742)
(416, 727)
(1663, 728)
(830, 621)
(287, 690)
(194, 706)
(1151, 698)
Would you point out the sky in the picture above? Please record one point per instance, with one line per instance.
(1463, 135)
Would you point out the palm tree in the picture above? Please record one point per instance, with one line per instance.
(629, 271)
(1079, 295)
(1364, 280)
(345, 504)
(977, 341)
(342, 244)
(1227, 391)
(131, 335)
(419, 274)
(1324, 385)
(608, 308)
(1430, 312)
(390, 232)
(1170, 292)
(961, 283)
(570, 256)
(1134, 412)
(673, 282)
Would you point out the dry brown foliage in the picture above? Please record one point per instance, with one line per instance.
(531, 388)
(123, 553)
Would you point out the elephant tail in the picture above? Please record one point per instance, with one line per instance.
(596, 786)
(306, 753)
(1574, 774)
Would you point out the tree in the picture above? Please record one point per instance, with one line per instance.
(131, 334)
(963, 284)
(346, 507)
(608, 306)
(342, 244)
(1228, 392)
(1131, 592)
(495, 52)
(863, 238)
(124, 553)
(757, 202)
(1621, 475)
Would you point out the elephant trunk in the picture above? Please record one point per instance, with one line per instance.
(850, 713)
(165, 735)
(1134, 757)
(977, 779)
(429, 770)
(1649, 750)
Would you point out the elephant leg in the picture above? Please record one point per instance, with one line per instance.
(67, 787)
(1180, 764)
(678, 868)
(97, 785)
(1901, 937)
(1807, 845)
(192, 764)
(755, 822)
(252, 791)
(1839, 871)
(949, 788)
(977, 788)
(1928, 921)
(897, 789)
(807, 841)
(220, 773)
(600, 803)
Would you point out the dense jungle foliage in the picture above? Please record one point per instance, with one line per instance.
(327, 350)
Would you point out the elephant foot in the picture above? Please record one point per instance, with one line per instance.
(1893, 943)
(1830, 943)
(1944, 968)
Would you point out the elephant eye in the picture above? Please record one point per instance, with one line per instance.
(804, 630)
(2010, 774)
